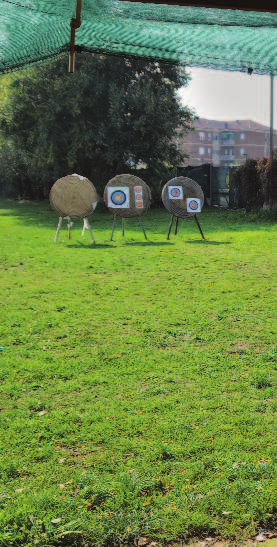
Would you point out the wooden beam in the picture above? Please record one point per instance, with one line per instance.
(258, 5)
(75, 23)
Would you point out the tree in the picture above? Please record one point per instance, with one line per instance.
(112, 115)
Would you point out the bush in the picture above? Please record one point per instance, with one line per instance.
(256, 183)
(236, 194)
(252, 185)
(271, 184)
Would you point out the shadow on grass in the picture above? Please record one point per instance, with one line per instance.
(206, 242)
(96, 245)
(148, 243)
(93, 246)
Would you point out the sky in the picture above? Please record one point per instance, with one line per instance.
(222, 95)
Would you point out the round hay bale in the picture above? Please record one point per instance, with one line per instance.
(127, 196)
(175, 193)
(73, 196)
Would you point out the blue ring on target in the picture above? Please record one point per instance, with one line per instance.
(193, 205)
(175, 193)
(118, 197)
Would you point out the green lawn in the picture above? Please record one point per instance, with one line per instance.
(138, 378)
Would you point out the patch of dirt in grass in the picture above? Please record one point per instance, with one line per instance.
(240, 347)
(263, 538)
(73, 453)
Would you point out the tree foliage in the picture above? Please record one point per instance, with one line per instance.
(268, 174)
(257, 182)
(112, 115)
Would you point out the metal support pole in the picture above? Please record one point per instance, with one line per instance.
(123, 226)
(199, 227)
(170, 226)
(271, 117)
(211, 184)
(176, 225)
(142, 227)
(114, 225)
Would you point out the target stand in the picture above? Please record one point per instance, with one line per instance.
(183, 198)
(73, 197)
(127, 196)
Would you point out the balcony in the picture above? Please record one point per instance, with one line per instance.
(227, 142)
(227, 157)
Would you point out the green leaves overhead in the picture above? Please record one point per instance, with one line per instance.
(112, 110)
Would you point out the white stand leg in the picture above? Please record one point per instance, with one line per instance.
(69, 226)
(87, 226)
(58, 229)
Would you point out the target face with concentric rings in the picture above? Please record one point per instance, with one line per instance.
(193, 205)
(119, 197)
(175, 192)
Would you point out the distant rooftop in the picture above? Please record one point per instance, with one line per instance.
(233, 125)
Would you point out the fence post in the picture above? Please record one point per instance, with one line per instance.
(211, 184)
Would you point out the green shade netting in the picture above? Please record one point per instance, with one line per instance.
(36, 30)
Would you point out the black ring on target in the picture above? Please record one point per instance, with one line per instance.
(118, 197)
(193, 205)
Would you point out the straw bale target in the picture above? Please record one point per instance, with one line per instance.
(182, 197)
(127, 196)
(73, 196)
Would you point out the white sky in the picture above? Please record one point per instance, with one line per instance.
(220, 95)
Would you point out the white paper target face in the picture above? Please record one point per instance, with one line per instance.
(138, 197)
(79, 176)
(193, 205)
(119, 197)
(175, 192)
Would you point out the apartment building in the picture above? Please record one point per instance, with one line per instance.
(226, 143)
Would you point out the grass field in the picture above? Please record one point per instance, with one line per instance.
(138, 379)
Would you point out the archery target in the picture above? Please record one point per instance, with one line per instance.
(127, 196)
(175, 192)
(73, 196)
(119, 197)
(193, 205)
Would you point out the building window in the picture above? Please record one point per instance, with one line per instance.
(228, 152)
(216, 137)
(242, 151)
(209, 150)
(209, 136)
(201, 136)
(242, 136)
(202, 150)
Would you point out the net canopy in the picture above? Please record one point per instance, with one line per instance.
(32, 31)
